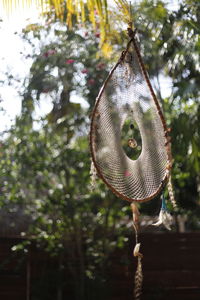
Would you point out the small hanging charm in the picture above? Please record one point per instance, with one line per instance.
(132, 143)
(164, 216)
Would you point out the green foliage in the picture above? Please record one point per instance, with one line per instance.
(48, 180)
(67, 63)
(45, 171)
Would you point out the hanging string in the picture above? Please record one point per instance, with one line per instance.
(136, 253)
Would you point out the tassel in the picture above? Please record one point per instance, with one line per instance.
(138, 273)
(138, 280)
(164, 216)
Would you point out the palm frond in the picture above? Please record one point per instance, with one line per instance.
(98, 13)
(125, 10)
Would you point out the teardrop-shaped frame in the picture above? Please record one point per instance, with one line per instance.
(165, 129)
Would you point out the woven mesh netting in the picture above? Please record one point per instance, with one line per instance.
(133, 173)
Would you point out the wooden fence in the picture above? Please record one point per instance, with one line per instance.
(171, 267)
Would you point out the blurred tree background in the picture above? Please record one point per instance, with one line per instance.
(45, 163)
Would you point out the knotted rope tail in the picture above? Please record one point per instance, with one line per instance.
(136, 253)
(138, 280)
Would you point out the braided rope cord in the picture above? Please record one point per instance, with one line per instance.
(136, 253)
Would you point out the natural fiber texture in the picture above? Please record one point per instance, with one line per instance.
(164, 218)
(139, 173)
(138, 280)
(171, 193)
(136, 253)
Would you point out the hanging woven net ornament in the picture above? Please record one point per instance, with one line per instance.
(127, 97)
(129, 139)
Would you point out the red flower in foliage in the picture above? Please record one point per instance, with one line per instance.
(100, 66)
(69, 61)
(84, 71)
(49, 53)
(91, 81)
(97, 35)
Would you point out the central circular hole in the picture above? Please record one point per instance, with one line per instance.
(131, 139)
